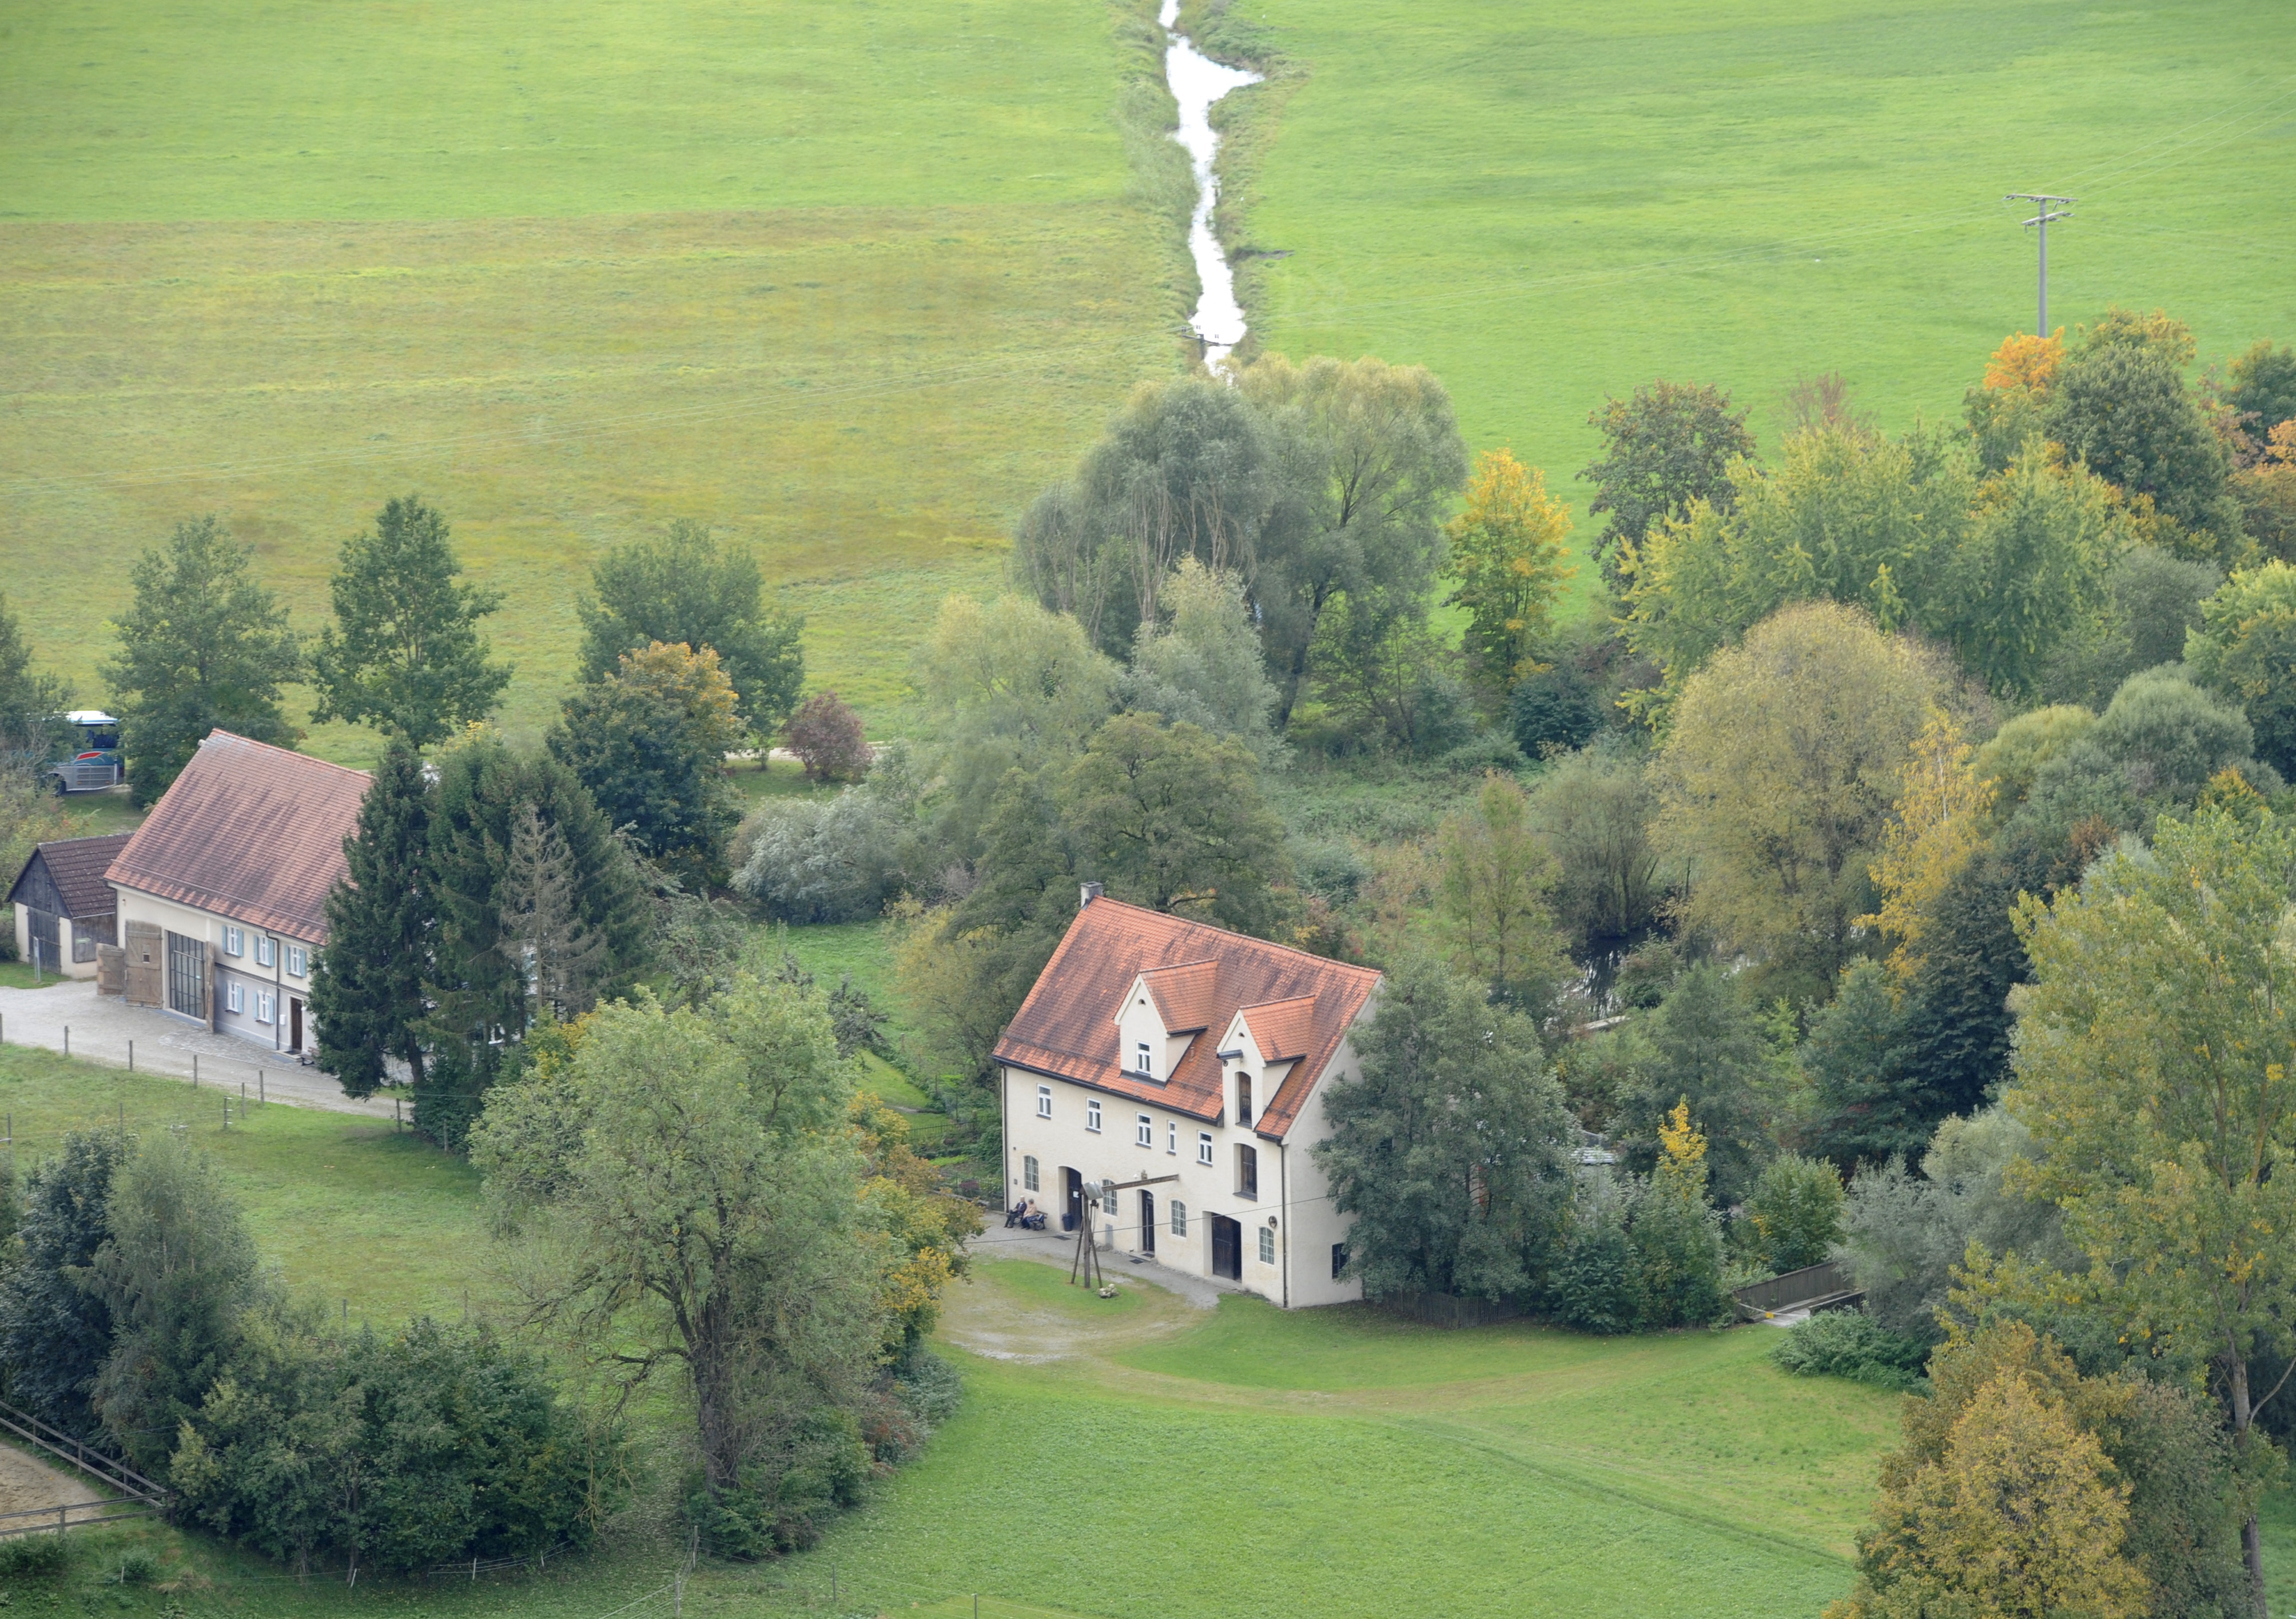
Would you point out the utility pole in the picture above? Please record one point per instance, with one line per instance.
(2040, 221)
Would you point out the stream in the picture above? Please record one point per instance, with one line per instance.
(1198, 81)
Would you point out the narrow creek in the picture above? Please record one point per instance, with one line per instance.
(1198, 81)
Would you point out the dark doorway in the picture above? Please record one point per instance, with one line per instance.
(1147, 1223)
(1227, 1249)
(187, 975)
(294, 1026)
(43, 939)
(1071, 1199)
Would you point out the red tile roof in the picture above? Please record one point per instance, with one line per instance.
(1282, 1028)
(249, 832)
(1066, 1027)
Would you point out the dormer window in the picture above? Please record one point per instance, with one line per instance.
(1144, 1060)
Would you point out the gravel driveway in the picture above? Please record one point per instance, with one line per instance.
(166, 1046)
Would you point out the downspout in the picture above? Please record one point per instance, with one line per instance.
(1005, 1197)
(1283, 1201)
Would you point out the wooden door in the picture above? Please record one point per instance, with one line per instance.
(1072, 1200)
(1147, 1223)
(294, 1024)
(44, 941)
(1227, 1249)
(146, 971)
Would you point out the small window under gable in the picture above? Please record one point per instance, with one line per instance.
(1144, 1059)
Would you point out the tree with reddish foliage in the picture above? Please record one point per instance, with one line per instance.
(825, 735)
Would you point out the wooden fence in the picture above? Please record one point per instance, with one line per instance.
(141, 1495)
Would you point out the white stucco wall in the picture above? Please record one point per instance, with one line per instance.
(1292, 1190)
(276, 980)
(66, 966)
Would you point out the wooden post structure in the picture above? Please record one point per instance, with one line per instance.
(1087, 1266)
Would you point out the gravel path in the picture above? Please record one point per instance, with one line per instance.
(29, 1486)
(166, 1046)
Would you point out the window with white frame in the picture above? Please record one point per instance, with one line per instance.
(264, 950)
(1267, 1246)
(1144, 1060)
(1203, 1146)
(234, 942)
(1108, 1197)
(1172, 1136)
(1180, 1220)
(1092, 1115)
(1044, 1102)
(1029, 1174)
(235, 998)
(299, 960)
(263, 1006)
(1144, 1129)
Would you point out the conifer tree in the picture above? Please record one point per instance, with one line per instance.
(542, 930)
(366, 988)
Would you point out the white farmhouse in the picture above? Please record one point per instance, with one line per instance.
(1158, 1050)
(223, 890)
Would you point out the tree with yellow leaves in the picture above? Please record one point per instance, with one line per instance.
(1508, 557)
(2007, 408)
(1677, 1235)
(926, 1226)
(1938, 823)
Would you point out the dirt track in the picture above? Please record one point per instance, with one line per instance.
(25, 1486)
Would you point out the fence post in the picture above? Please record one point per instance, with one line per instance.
(131, 1057)
(66, 1038)
(195, 1070)
(258, 1087)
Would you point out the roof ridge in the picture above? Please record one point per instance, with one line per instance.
(292, 753)
(1248, 939)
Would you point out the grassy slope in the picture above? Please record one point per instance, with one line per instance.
(848, 279)
(1552, 205)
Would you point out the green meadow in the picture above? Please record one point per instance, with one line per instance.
(848, 281)
(1551, 204)
(1135, 1458)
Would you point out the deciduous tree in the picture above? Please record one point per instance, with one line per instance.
(1202, 662)
(405, 650)
(1366, 457)
(1509, 556)
(686, 588)
(203, 645)
(1593, 810)
(1670, 444)
(827, 738)
(1172, 818)
(649, 742)
(2152, 1062)
(1495, 877)
(1450, 1150)
(1796, 1211)
(1778, 776)
(29, 703)
(2246, 649)
(54, 1334)
(1939, 822)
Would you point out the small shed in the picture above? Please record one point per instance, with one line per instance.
(64, 907)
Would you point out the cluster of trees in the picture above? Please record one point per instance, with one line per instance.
(133, 1313)
(701, 1197)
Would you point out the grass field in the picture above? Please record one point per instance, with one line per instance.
(1132, 1458)
(1553, 205)
(848, 281)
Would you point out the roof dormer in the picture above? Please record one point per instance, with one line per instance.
(1164, 1013)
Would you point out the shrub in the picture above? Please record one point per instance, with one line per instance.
(1850, 1343)
(1598, 1279)
(811, 862)
(137, 1566)
(1556, 710)
(826, 737)
(34, 1557)
(1797, 1210)
(820, 1463)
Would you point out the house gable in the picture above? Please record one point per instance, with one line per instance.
(1085, 1019)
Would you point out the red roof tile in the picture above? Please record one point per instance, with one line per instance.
(1185, 996)
(1282, 1028)
(251, 831)
(1065, 1029)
